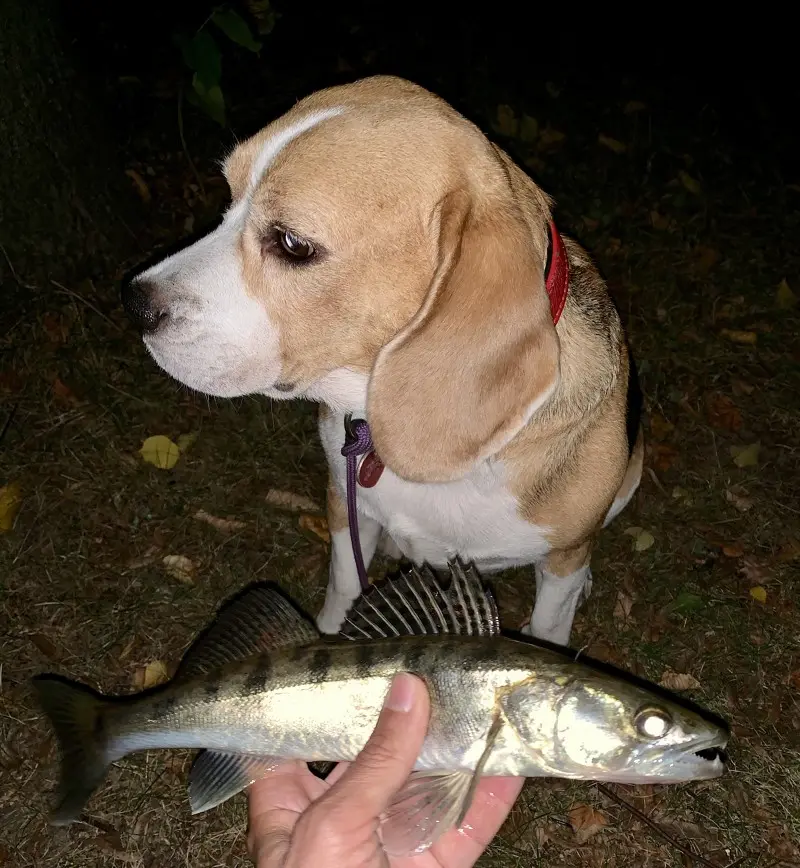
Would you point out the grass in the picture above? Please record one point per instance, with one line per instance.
(84, 592)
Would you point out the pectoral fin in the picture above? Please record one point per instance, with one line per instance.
(431, 803)
(217, 775)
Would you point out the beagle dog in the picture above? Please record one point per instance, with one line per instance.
(381, 257)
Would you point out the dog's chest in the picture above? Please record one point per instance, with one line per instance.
(476, 518)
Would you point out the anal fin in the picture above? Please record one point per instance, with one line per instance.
(218, 775)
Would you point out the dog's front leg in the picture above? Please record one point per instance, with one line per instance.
(563, 581)
(343, 582)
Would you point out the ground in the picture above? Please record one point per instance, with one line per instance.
(695, 584)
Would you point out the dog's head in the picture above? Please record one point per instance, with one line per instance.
(380, 255)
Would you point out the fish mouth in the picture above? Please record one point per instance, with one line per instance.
(713, 754)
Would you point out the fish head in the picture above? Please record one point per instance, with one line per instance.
(604, 729)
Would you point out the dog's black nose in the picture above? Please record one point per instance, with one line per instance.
(139, 301)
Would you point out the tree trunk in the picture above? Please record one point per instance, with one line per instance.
(61, 190)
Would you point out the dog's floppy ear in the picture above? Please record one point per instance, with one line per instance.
(480, 356)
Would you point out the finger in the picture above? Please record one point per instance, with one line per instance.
(370, 782)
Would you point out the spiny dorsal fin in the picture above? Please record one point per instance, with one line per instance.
(261, 619)
(414, 603)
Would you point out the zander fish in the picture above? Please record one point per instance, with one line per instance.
(262, 686)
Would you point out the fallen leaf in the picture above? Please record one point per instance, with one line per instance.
(740, 387)
(180, 567)
(292, 501)
(550, 137)
(685, 603)
(789, 551)
(689, 183)
(155, 672)
(160, 451)
(707, 258)
(45, 645)
(586, 821)
(732, 550)
(662, 456)
(642, 539)
(723, 413)
(759, 594)
(528, 129)
(10, 500)
(741, 501)
(784, 297)
(679, 681)
(506, 123)
(55, 328)
(737, 336)
(622, 608)
(63, 394)
(186, 441)
(612, 144)
(226, 525)
(141, 185)
(316, 524)
(679, 493)
(659, 221)
(745, 456)
(660, 427)
(755, 572)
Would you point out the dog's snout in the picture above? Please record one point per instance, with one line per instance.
(141, 304)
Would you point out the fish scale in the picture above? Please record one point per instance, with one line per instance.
(261, 686)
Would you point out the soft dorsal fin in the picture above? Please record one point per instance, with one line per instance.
(414, 603)
(260, 619)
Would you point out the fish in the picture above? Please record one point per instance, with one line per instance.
(262, 686)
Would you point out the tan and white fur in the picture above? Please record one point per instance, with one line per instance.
(424, 310)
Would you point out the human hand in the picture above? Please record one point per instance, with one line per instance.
(298, 820)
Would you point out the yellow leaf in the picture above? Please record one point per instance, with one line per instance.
(746, 456)
(179, 567)
(784, 297)
(551, 137)
(186, 441)
(642, 539)
(292, 501)
(317, 524)
(528, 129)
(679, 681)
(612, 144)
(690, 183)
(10, 499)
(226, 525)
(759, 594)
(738, 336)
(634, 106)
(141, 185)
(155, 672)
(160, 451)
(506, 123)
(586, 821)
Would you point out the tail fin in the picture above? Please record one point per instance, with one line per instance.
(76, 713)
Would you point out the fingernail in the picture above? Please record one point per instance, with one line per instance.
(401, 694)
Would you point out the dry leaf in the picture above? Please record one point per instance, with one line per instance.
(528, 129)
(160, 451)
(690, 183)
(292, 501)
(789, 551)
(622, 608)
(740, 387)
(784, 297)
(63, 393)
(317, 524)
(45, 645)
(741, 501)
(586, 821)
(180, 567)
(707, 258)
(659, 221)
(633, 106)
(550, 137)
(755, 572)
(506, 123)
(226, 525)
(679, 681)
(660, 427)
(732, 550)
(141, 185)
(759, 594)
(186, 441)
(738, 336)
(746, 456)
(10, 500)
(155, 672)
(642, 539)
(612, 144)
(723, 413)
(662, 456)
(55, 328)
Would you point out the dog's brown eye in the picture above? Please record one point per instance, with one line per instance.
(294, 246)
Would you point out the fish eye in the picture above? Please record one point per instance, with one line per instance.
(652, 722)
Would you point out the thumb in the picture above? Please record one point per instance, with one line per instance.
(370, 783)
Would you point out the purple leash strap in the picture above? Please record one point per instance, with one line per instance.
(357, 442)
